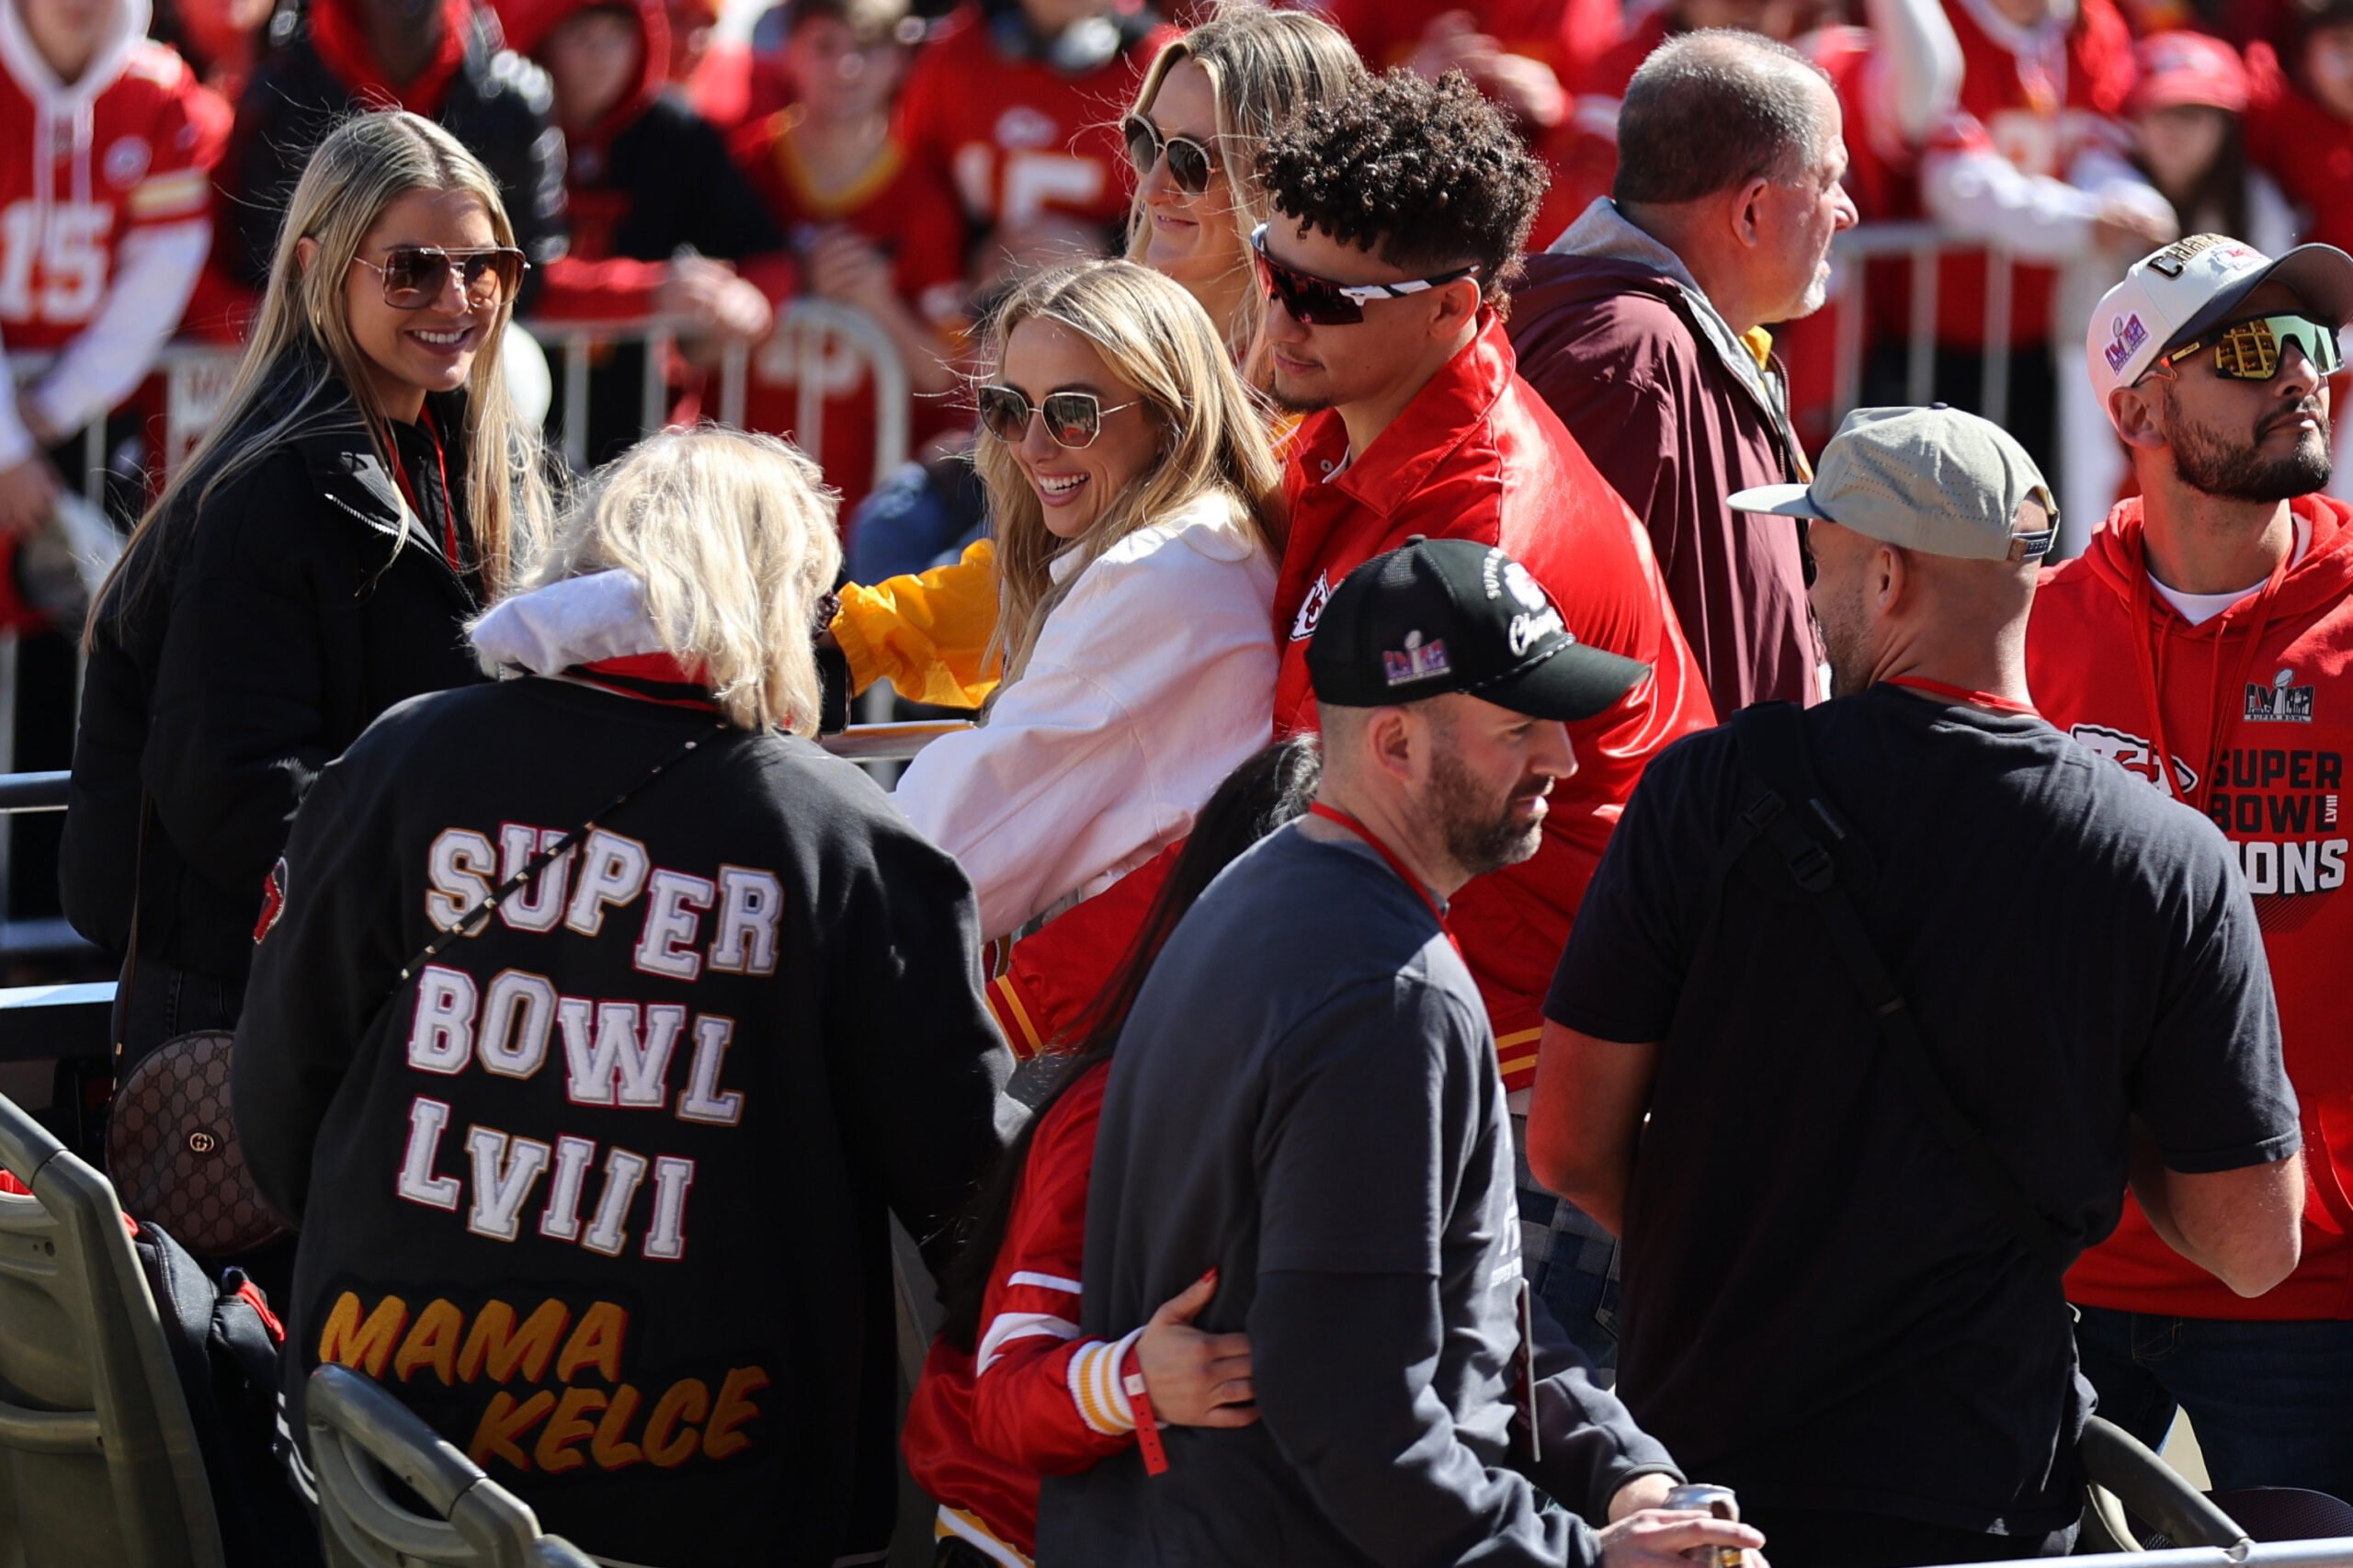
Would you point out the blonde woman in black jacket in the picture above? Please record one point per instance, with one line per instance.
(360, 498)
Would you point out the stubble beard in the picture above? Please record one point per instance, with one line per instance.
(1480, 836)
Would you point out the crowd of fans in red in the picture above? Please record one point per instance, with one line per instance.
(850, 152)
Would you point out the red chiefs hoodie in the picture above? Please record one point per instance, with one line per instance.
(2254, 709)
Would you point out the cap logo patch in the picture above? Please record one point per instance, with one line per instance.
(1416, 661)
(2126, 340)
(2175, 257)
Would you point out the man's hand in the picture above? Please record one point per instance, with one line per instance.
(2130, 228)
(1521, 84)
(713, 301)
(1195, 1378)
(27, 492)
(1643, 1491)
(1656, 1538)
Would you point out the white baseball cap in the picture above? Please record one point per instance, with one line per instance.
(2195, 283)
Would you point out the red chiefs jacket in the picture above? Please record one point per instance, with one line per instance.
(1475, 455)
(2254, 712)
(1034, 1397)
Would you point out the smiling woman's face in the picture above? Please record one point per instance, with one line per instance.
(1075, 487)
(410, 353)
(1192, 239)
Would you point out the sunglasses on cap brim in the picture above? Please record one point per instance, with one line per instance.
(413, 275)
(1074, 420)
(2252, 350)
(1320, 301)
(2026, 544)
(1190, 165)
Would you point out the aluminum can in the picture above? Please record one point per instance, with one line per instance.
(1719, 1501)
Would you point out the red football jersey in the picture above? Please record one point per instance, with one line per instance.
(1567, 35)
(906, 212)
(72, 190)
(1017, 138)
(2040, 108)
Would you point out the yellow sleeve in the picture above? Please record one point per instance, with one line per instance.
(928, 633)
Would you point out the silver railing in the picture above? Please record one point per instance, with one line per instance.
(1925, 246)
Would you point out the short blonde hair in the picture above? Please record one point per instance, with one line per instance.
(1264, 66)
(1155, 337)
(732, 536)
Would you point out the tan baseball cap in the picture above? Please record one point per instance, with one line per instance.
(1931, 479)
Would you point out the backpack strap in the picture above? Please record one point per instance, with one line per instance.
(1787, 813)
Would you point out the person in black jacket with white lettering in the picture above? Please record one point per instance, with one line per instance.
(314, 563)
(598, 1020)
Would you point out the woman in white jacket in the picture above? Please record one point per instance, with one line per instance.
(1138, 509)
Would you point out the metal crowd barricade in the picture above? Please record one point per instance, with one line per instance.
(1925, 246)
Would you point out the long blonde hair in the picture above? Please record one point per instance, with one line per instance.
(1155, 337)
(303, 373)
(1264, 66)
(732, 536)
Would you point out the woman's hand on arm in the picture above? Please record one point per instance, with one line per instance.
(1193, 1378)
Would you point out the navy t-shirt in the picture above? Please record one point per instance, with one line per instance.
(1823, 1308)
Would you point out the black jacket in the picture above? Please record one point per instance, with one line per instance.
(602, 1192)
(302, 601)
(498, 104)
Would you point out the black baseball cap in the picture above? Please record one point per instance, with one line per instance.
(1442, 615)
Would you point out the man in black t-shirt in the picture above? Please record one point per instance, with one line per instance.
(1827, 1307)
(1306, 1098)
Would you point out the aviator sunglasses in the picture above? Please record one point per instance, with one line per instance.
(1190, 165)
(2251, 350)
(1320, 301)
(1073, 418)
(412, 274)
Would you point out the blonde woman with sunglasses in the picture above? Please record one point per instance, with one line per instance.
(1137, 502)
(1208, 103)
(363, 493)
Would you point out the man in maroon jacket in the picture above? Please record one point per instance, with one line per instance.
(1642, 327)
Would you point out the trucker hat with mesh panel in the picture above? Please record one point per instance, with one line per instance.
(2172, 295)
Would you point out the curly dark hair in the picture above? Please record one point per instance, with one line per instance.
(1424, 174)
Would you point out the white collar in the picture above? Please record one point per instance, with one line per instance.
(576, 621)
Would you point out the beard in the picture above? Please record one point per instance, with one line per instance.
(1479, 832)
(2214, 465)
(1842, 620)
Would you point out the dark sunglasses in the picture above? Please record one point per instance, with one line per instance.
(413, 275)
(2252, 350)
(1190, 165)
(1320, 301)
(1073, 418)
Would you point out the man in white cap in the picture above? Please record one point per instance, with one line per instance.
(2205, 642)
(1809, 1053)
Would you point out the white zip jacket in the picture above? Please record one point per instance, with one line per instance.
(1149, 683)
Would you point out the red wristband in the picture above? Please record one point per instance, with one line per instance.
(1155, 1457)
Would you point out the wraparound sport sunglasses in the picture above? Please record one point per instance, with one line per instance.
(412, 274)
(1190, 165)
(2251, 350)
(1073, 418)
(1320, 301)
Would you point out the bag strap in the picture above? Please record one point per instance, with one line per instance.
(121, 1019)
(1784, 814)
(479, 915)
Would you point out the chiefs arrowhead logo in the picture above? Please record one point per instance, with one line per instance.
(2135, 754)
(1312, 611)
(273, 901)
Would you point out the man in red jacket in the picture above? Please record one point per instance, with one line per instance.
(2205, 643)
(1400, 213)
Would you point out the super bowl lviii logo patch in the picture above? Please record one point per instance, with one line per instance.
(1416, 661)
(2280, 702)
(2126, 339)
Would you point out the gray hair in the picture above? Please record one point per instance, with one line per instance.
(1710, 111)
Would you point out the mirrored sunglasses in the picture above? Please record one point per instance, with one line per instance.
(1190, 165)
(1320, 301)
(413, 275)
(1074, 420)
(2251, 350)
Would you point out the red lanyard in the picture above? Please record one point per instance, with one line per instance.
(1963, 694)
(448, 507)
(1334, 814)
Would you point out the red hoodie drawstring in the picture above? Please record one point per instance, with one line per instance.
(2223, 718)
